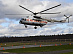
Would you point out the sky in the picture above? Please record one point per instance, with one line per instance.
(9, 24)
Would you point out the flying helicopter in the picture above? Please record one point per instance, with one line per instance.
(38, 20)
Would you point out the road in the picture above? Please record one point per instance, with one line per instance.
(26, 46)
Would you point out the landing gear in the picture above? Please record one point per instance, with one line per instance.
(25, 26)
(41, 26)
(35, 27)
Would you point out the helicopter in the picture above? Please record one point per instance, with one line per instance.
(38, 20)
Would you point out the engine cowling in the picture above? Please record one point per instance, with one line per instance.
(39, 17)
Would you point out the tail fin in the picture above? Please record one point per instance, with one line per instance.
(67, 17)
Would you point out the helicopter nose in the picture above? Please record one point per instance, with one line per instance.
(20, 22)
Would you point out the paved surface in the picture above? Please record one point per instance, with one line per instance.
(26, 46)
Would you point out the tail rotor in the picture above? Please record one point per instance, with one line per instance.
(67, 17)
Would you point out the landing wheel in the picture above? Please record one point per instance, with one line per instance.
(35, 27)
(25, 26)
(41, 26)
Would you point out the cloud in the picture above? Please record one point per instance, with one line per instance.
(2, 21)
(15, 29)
(19, 30)
(12, 7)
(70, 24)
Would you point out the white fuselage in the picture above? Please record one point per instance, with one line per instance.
(33, 22)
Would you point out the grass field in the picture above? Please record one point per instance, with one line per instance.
(29, 43)
(68, 53)
(40, 49)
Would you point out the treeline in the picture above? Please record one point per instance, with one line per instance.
(36, 38)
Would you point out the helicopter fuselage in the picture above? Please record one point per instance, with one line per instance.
(33, 22)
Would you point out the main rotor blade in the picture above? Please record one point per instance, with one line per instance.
(51, 13)
(26, 9)
(18, 14)
(49, 8)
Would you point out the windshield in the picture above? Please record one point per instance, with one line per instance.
(22, 19)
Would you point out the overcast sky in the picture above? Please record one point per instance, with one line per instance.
(9, 24)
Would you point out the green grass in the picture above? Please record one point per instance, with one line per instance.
(29, 43)
(68, 53)
(39, 49)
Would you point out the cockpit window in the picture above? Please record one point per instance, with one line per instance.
(22, 19)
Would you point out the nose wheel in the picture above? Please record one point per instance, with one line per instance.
(41, 26)
(35, 27)
(25, 26)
